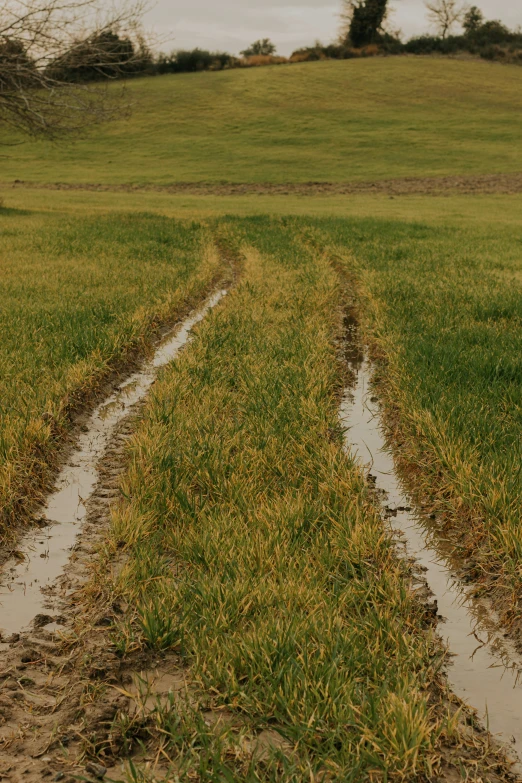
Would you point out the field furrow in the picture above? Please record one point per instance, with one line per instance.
(254, 549)
(81, 299)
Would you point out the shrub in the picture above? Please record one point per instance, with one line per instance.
(193, 60)
(370, 51)
(387, 44)
(102, 57)
(304, 57)
(256, 60)
(431, 44)
(492, 32)
(493, 52)
(320, 52)
(16, 66)
(264, 47)
(490, 40)
(390, 44)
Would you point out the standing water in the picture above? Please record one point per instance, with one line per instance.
(46, 551)
(485, 667)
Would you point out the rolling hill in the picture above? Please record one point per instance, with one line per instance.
(331, 121)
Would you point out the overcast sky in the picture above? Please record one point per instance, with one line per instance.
(233, 24)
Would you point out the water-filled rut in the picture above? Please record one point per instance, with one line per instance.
(44, 552)
(484, 666)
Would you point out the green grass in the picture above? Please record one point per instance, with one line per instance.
(442, 305)
(437, 210)
(77, 295)
(351, 120)
(254, 548)
(249, 534)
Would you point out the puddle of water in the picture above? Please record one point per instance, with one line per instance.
(46, 551)
(484, 667)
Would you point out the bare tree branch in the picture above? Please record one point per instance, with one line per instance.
(49, 49)
(444, 14)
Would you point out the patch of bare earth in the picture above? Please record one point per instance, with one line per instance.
(506, 184)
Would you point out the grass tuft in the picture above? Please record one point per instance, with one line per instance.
(159, 629)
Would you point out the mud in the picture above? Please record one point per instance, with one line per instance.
(26, 587)
(62, 684)
(485, 668)
(506, 184)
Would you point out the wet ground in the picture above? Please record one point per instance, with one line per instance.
(26, 587)
(48, 715)
(507, 184)
(484, 669)
(58, 669)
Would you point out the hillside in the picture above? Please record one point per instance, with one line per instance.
(331, 121)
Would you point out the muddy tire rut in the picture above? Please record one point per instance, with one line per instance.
(47, 711)
(62, 682)
(481, 672)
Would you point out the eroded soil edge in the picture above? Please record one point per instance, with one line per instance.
(465, 184)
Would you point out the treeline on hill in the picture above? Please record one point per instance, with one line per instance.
(100, 57)
(108, 55)
(486, 38)
(489, 39)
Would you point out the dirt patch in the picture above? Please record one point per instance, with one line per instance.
(50, 694)
(506, 184)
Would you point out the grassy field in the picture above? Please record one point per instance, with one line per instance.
(77, 296)
(352, 120)
(435, 210)
(443, 309)
(251, 544)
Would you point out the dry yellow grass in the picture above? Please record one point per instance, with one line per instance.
(252, 547)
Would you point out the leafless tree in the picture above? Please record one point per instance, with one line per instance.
(43, 43)
(444, 14)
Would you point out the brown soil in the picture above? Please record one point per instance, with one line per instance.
(405, 186)
(63, 686)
